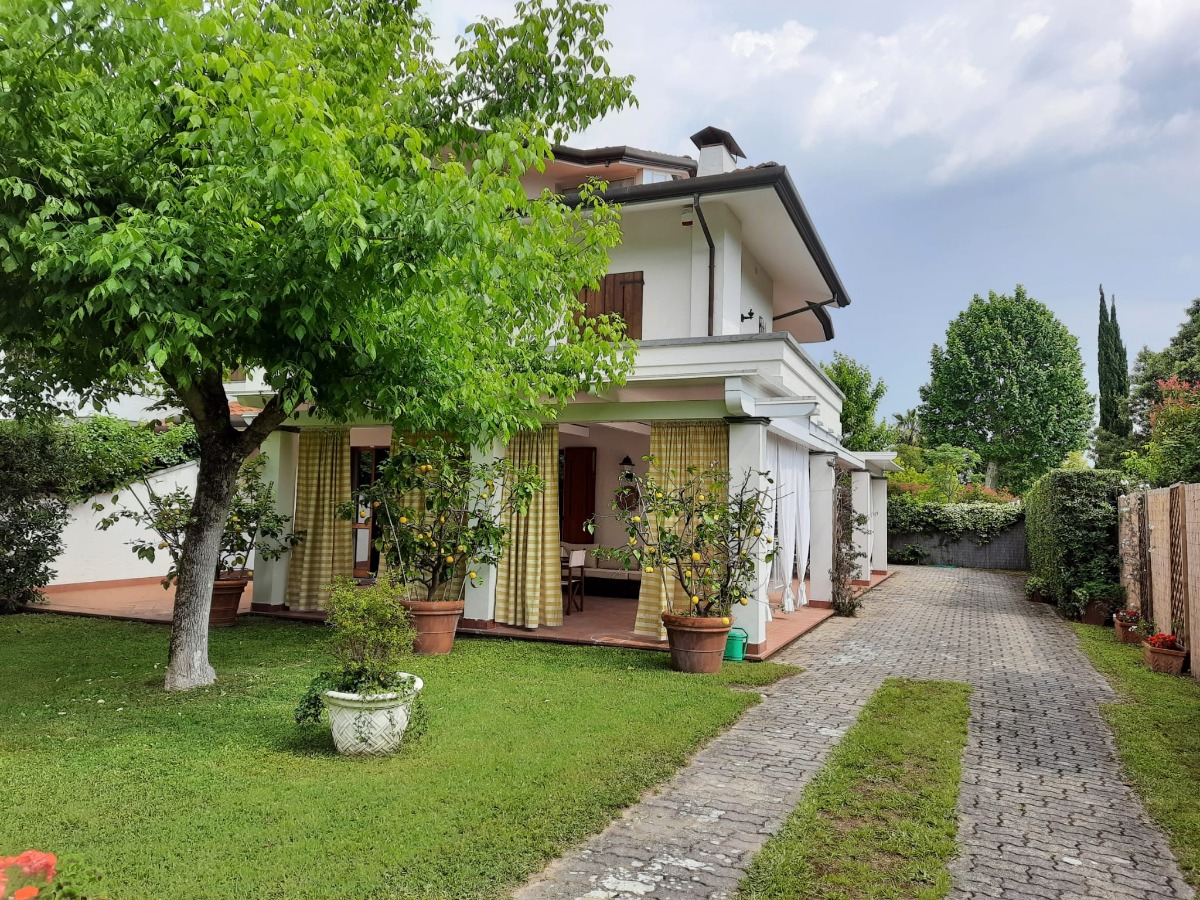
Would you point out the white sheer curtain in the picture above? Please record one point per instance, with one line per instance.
(790, 467)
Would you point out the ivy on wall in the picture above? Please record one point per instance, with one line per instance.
(953, 521)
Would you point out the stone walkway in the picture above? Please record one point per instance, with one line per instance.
(1043, 810)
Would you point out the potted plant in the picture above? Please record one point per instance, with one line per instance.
(703, 539)
(252, 526)
(1125, 623)
(441, 517)
(370, 701)
(1164, 652)
(1096, 601)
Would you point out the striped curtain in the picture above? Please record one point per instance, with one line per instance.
(675, 446)
(322, 485)
(528, 591)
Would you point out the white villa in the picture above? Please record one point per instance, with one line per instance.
(722, 280)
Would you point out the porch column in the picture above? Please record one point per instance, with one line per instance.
(282, 451)
(879, 524)
(820, 555)
(480, 602)
(748, 452)
(860, 498)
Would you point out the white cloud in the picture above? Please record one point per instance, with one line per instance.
(929, 78)
(773, 51)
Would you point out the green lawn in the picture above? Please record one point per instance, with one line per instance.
(1157, 727)
(530, 748)
(879, 819)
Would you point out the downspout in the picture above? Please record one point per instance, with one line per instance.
(712, 259)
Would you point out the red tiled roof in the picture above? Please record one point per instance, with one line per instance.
(236, 409)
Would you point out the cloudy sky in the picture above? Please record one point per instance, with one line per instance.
(943, 148)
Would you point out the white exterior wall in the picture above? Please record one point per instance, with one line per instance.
(757, 292)
(93, 555)
(655, 243)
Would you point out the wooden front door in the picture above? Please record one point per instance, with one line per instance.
(577, 493)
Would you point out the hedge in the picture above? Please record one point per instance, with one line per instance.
(36, 462)
(951, 520)
(46, 465)
(1071, 532)
(111, 453)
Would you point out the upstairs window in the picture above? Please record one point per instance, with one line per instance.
(619, 294)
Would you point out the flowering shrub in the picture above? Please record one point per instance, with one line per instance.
(24, 876)
(1173, 453)
(1129, 616)
(1162, 641)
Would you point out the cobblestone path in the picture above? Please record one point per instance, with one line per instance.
(1043, 811)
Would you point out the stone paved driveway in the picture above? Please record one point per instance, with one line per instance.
(1043, 812)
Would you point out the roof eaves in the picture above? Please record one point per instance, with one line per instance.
(600, 155)
(740, 180)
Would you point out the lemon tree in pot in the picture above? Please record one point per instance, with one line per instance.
(253, 526)
(441, 516)
(703, 536)
(371, 702)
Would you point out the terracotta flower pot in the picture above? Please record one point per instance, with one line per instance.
(1160, 659)
(1126, 632)
(697, 643)
(226, 597)
(1095, 613)
(435, 621)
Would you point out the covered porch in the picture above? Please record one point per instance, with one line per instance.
(747, 403)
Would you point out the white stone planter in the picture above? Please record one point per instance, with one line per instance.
(370, 724)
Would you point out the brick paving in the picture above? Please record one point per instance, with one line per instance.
(1043, 810)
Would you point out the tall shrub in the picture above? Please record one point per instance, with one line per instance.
(36, 467)
(1071, 531)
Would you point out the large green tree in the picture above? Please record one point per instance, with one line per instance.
(861, 429)
(193, 186)
(1009, 385)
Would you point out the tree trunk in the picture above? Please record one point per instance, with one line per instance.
(992, 477)
(187, 664)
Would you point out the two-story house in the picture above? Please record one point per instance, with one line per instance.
(721, 279)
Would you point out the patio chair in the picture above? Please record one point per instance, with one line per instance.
(573, 586)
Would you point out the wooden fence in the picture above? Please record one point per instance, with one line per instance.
(1160, 559)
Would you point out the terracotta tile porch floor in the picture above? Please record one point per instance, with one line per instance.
(604, 621)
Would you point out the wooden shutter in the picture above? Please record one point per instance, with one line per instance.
(619, 294)
(578, 495)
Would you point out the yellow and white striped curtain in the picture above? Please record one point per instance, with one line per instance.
(675, 446)
(322, 485)
(528, 591)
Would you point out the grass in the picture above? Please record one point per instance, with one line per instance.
(879, 819)
(1157, 728)
(530, 748)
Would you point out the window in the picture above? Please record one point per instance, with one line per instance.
(619, 294)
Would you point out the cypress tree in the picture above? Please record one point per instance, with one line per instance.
(1119, 366)
(1104, 368)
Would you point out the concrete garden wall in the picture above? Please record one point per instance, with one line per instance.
(1005, 551)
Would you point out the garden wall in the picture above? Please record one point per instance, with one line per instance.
(1160, 559)
(93, 555)
(1005, 551)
